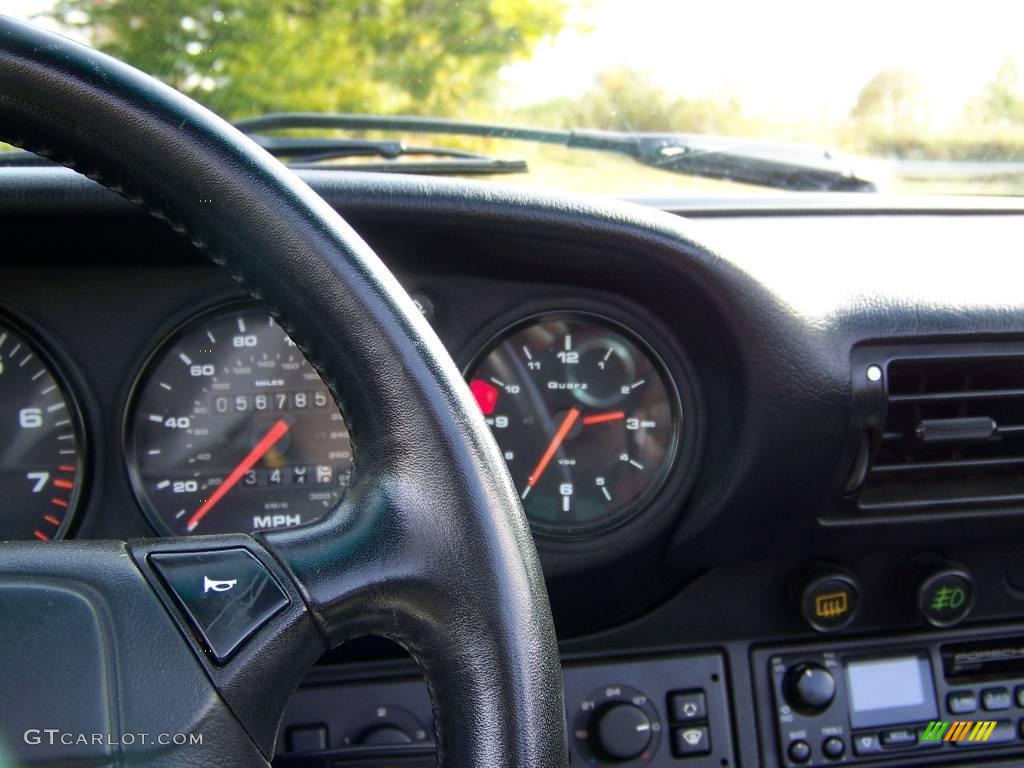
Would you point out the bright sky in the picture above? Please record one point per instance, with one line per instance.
(786, 58)
(799, 58)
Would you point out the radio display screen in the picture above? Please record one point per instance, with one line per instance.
(890, 691)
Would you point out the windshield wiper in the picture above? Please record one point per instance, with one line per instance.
(780, 165)
(304, 153)
(314, 152)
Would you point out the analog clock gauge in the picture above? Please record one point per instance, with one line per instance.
(585, 415)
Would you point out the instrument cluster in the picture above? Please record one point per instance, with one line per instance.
(229, 429)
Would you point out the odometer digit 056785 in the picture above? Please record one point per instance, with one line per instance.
(231, 430)
(41, 444)
(586, 417)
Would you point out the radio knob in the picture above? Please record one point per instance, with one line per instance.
(809, 688)
(622, 731)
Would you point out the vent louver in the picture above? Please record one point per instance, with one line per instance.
(952, 436)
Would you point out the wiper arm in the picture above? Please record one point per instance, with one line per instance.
(311, 152)
(302, 153)
(796, 167)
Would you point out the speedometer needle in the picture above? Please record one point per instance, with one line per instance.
(563, 430)
(265, 444)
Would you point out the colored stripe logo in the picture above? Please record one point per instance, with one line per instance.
(958, 730)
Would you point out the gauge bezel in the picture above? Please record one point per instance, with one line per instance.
(128, 443)
(682, 405)
(49, 350)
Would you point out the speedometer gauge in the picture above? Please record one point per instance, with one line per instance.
(41, 443)
(231, 430)
(585, 415)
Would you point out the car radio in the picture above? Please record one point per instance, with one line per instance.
(849, 703)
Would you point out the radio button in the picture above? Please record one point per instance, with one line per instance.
(962, 702)
(834, 748)
(1002, 733)
(995, 699)
(897, 738)
(866, 744)
(799, 752)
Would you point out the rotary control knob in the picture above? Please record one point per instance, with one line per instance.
(616, 725)
(384, 736)
(809, 688)
(622, 731)
(384, 726)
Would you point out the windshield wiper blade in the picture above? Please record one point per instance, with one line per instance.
(301, 152)
(452, 167)
(304, 154)
(781, 165)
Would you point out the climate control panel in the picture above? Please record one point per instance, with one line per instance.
(671, 711)
(662, 712)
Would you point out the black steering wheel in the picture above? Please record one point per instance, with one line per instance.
(429, 547)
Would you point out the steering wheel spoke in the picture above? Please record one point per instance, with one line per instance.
(98, 671)
(430, 545)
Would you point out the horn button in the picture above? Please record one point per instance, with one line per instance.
(226, 594)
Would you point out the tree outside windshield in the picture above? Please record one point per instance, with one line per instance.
(925, 97)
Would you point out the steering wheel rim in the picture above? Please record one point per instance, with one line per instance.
(429, 546)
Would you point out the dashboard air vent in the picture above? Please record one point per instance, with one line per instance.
(950, 437)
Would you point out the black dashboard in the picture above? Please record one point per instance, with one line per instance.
(831, 442)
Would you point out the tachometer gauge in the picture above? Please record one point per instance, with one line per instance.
(41, 443)
(230, 430)
(586, 416)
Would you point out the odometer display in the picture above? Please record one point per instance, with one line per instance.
(231, 430)
(585, 415)
(41, 444)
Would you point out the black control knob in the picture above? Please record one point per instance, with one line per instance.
(384, 736)
(622, 731)
(809, 688)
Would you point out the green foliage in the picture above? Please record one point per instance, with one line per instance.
(891, 100)
(1001, 102)
(245, 57)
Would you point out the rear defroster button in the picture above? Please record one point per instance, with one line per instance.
(827, 596)
(227, 594)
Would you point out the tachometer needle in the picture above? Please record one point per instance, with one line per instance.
(563, 430)
(265, 444)
(600, 418)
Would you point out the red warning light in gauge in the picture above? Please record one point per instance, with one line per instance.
(486, 395)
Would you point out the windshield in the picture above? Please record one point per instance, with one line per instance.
(915, 97)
